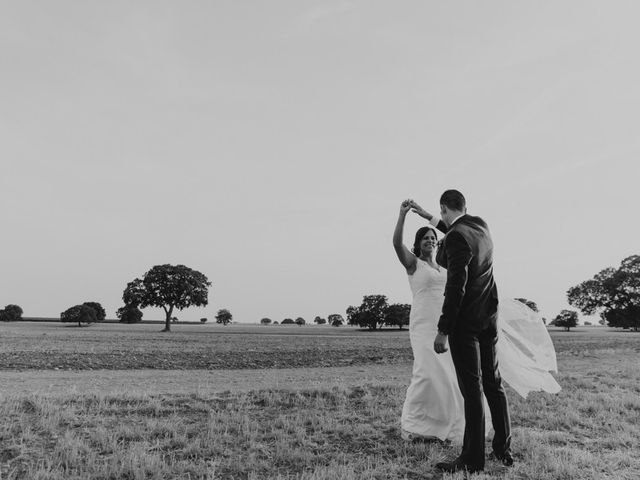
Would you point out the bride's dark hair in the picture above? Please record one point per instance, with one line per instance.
(419, 234)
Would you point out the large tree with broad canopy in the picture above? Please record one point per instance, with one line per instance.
(168, 287)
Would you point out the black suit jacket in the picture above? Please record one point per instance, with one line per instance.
(471, 295)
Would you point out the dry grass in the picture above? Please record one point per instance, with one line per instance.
(591, 430)
(30, 345)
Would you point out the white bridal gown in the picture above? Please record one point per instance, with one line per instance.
(433, 406)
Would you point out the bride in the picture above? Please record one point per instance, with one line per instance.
(434, 408)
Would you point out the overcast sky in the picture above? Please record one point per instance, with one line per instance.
(269, 145)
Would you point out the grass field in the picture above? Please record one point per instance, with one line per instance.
(590, 430)
(115, 346)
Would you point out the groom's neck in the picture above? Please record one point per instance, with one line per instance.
(454, 216)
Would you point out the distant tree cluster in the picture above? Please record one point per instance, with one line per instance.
(334, 320)
(87, 312)
(613, 292)
(375, 311)
(169, 287)
(11, 313)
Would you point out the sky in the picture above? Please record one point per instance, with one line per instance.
(269, 145)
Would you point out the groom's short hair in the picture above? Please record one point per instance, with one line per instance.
(453, 200)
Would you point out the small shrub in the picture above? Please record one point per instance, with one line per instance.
(266, 321)
(129, 314)
(11, 313)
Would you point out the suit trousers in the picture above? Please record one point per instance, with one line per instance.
(476, 364)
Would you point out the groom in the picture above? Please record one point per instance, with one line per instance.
(468, 321)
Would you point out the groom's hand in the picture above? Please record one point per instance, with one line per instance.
(415, 208)
(440, 343)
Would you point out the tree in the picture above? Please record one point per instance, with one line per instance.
(275, 323)
(336, 320)
(224, 316)
(614, 293)
(134, 293)
(397, 314)
(203, 320)
(288, 321)
(319, 320)
(265, 321)
(11, 313)
(168, 287)
(300, 321)
(532, 305)
(129, 314)
(100, 313)
(79, 314)
(566, 319)
(370, 314)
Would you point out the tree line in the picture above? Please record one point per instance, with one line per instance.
(614, 293)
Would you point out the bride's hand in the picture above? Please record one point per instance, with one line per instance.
(405, 207)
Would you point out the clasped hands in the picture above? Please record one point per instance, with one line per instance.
(410, 204)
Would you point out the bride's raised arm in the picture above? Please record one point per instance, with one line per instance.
(407, 259)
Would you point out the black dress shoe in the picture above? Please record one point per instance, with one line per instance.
(458, 466)
(505, 458)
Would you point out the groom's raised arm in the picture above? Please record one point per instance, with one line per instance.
(433, 220)
(459, 256)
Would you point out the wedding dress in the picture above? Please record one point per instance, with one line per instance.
(434, 406)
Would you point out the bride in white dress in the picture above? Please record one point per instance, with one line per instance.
(434, 408)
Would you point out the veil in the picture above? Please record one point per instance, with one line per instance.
(525, 352)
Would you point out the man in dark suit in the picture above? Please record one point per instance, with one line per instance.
(469, 324)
